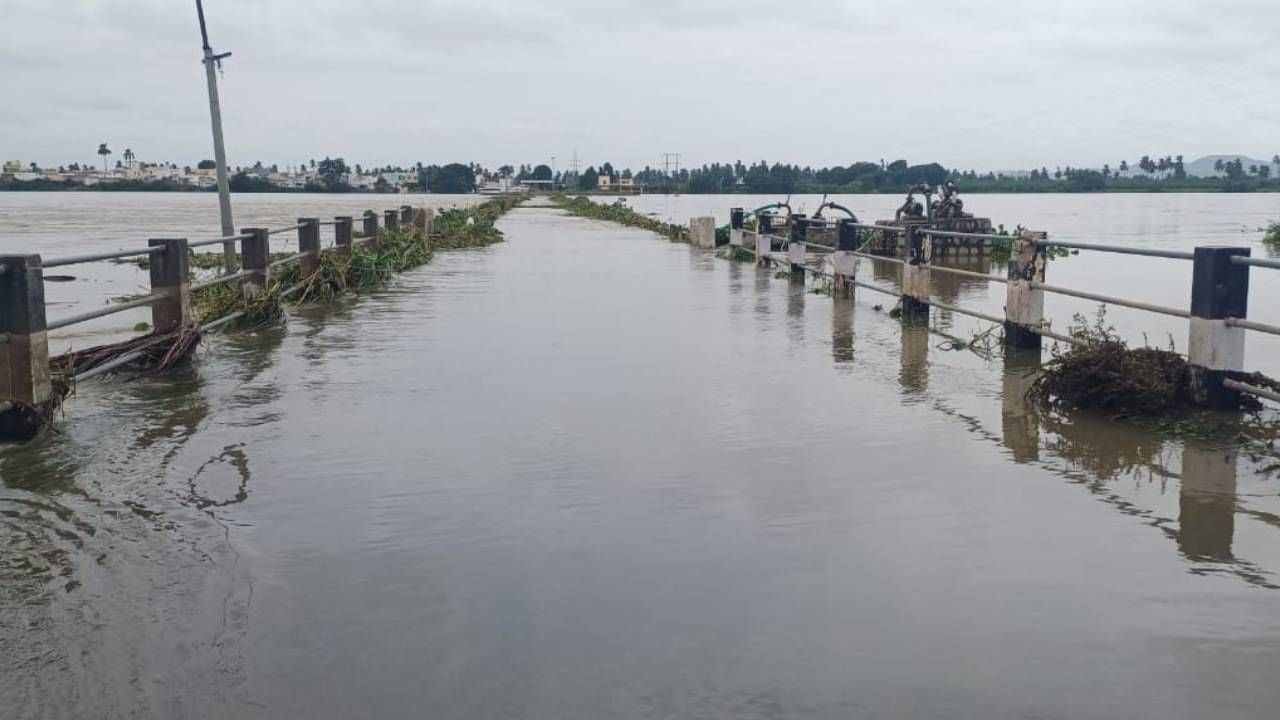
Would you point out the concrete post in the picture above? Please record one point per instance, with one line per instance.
(255, 256)
(170, 272)
(391, 220)
(702, 232)
(428, 219)
(24, 359)
(1024, 304)
(796, 247)
(406, 215)
(916, 278)
(764, 241)
(309, 242)
(342, 235)
(736, 217)
(844, 263)
(1215, 351)
(371, 230)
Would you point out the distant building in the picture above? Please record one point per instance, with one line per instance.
(13, 167)
(604, 182)
(400, 179)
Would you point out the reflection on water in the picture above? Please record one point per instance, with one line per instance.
(591, 474)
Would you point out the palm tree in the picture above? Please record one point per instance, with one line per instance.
(1124, 166)
(128, 155)
(104, 151)
(1275, 159)
(1218, 165)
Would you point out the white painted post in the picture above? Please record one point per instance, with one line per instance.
(735, 226)
(797, 248)
(916, 277)
(844, 264)
(1024, 304)
(1215, 351)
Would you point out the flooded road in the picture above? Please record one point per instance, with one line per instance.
(587, 473)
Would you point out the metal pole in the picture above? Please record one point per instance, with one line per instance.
(211, 63)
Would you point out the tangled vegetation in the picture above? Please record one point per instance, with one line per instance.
(1106, 374)
(1271, 236)
(367, 265)
(621, 214)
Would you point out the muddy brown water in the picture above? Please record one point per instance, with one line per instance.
(588, 473)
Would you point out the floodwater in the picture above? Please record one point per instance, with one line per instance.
(588, 473)
(1171, 221)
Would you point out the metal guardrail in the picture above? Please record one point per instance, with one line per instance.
(1162, 309)
(966, 235)
(286, 260)
(219, 241)
(220, 280)
(889, 228)
(869, 256)
(1120, 249)
(97, 257)
(1256, 262)
(214, 324)
(968, 273)
(1251, 389)
(1251, 325)
(277, 231)
(103, 312)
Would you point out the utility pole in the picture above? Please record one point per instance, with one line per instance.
(213, 63)
(669, 161)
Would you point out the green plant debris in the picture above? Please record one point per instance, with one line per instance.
(396, 251)
(1105, 374)
(736, 253)
(1271, 236)
(621, 214)
(1001, 250)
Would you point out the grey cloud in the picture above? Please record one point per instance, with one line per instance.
(984, 83)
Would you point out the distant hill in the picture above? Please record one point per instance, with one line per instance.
(1204, 166)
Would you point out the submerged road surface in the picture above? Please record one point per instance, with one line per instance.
(590, 474)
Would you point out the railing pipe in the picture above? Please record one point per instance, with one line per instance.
(1098, 297)
(96, 257)
(1255, 262)
(215, 241)
(103, 311)
(1124, 250)
(1238, 386)
(221, 279)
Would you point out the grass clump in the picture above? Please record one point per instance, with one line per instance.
(736, 253)
(1106, 374)
(1271, 237)
(621, 214)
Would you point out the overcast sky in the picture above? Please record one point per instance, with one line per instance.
(986, 84)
